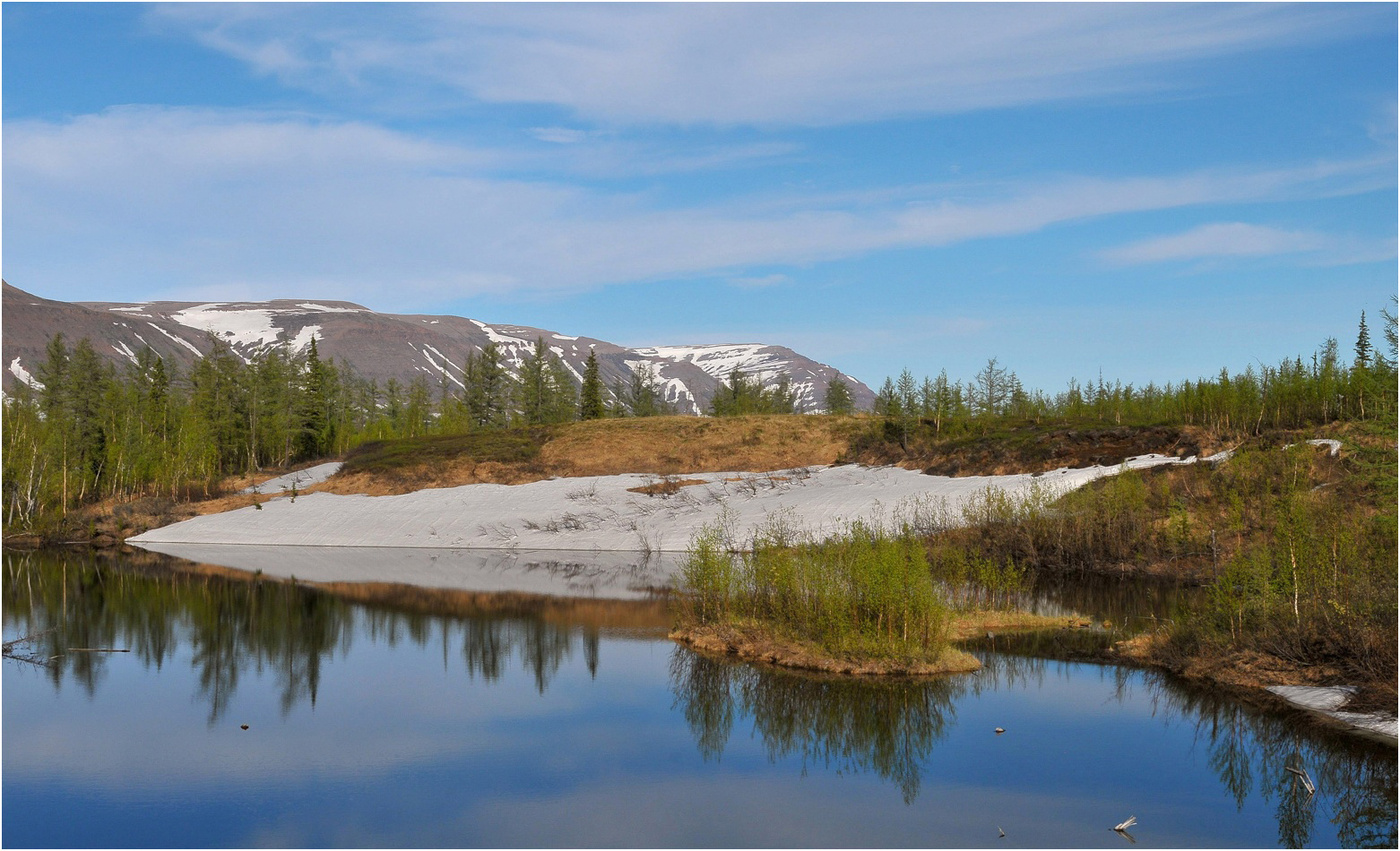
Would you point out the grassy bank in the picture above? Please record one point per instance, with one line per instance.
(1296, 547)
(865, 601)
(862, 593)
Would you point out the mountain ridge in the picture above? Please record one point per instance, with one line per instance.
(383, 346)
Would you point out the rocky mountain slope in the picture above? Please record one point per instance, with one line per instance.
(381, 346)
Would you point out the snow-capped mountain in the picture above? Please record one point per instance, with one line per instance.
(381, 346)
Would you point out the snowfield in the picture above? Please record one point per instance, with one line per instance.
(592, 515)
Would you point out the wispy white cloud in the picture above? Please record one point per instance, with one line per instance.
(272, 205)
(1239, 239)
(812, 64)
(760, 281)
(560, 135)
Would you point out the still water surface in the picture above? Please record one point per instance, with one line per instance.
(490, 721)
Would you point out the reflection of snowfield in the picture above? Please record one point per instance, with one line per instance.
(556, 573)
(600, 513)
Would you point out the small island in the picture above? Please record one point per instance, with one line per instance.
(863, 602)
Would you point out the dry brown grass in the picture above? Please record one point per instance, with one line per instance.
(668, 486)
(662, 446)
(671, 445)
(966, 625)
(754, 643)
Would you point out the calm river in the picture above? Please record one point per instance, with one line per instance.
(489, 720)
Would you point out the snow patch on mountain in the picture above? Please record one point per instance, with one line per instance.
(186, 343)
(251, 328)
(124, 350)
(322, 308)
(23, 375)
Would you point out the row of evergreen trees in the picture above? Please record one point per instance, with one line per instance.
(1294, 394)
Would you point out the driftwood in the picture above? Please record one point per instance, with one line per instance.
(1302, 775)
(10, 651)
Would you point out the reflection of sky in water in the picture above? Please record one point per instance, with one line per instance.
(403, 747)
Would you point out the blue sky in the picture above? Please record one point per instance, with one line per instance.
(1152, 191)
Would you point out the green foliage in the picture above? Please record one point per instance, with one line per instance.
(1313, 576)
(1298, 549)
(863, 592)
(1293, 394)
(591, 394)
(546, 390)
(489, 388)
(740, 395)
(838, 398)
(93, 434)
(641, 396)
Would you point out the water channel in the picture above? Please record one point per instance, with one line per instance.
(466, 719)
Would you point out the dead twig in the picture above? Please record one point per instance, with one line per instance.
(1302, 775)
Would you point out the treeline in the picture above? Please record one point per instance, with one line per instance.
(1294, 394)
(93, 432)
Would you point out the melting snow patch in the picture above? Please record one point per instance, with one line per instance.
(299, 478)
(495, 337)
(1333, 446)
(1327, 701)
(23, 375)
(122, 349)
(549, 515)
(321, 308)
(185, 343)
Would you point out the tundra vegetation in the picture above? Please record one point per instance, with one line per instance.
(1297, 547)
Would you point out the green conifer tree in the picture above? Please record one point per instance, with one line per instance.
(591, 395)
(837, 399)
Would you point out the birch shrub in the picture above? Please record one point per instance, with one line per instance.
(863, 592)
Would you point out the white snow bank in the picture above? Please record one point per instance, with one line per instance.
(299, 478)
(599, 512)
(1327, 702)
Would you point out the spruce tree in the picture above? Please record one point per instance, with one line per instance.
(534, 384)
(887, 400)
(316, 426)
(591, 396)
(562, 404)
(488, 388)
(1363, 345)
(838, 398)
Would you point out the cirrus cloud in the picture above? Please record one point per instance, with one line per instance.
(1239, 239)
(764, 64)
(257, 204)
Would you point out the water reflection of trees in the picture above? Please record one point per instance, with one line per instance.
(1251, 751)
(232, 626)
(892, 728)
(888, 727)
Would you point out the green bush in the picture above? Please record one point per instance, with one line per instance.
(862, 592)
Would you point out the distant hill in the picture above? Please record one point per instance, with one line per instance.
(381, 346)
